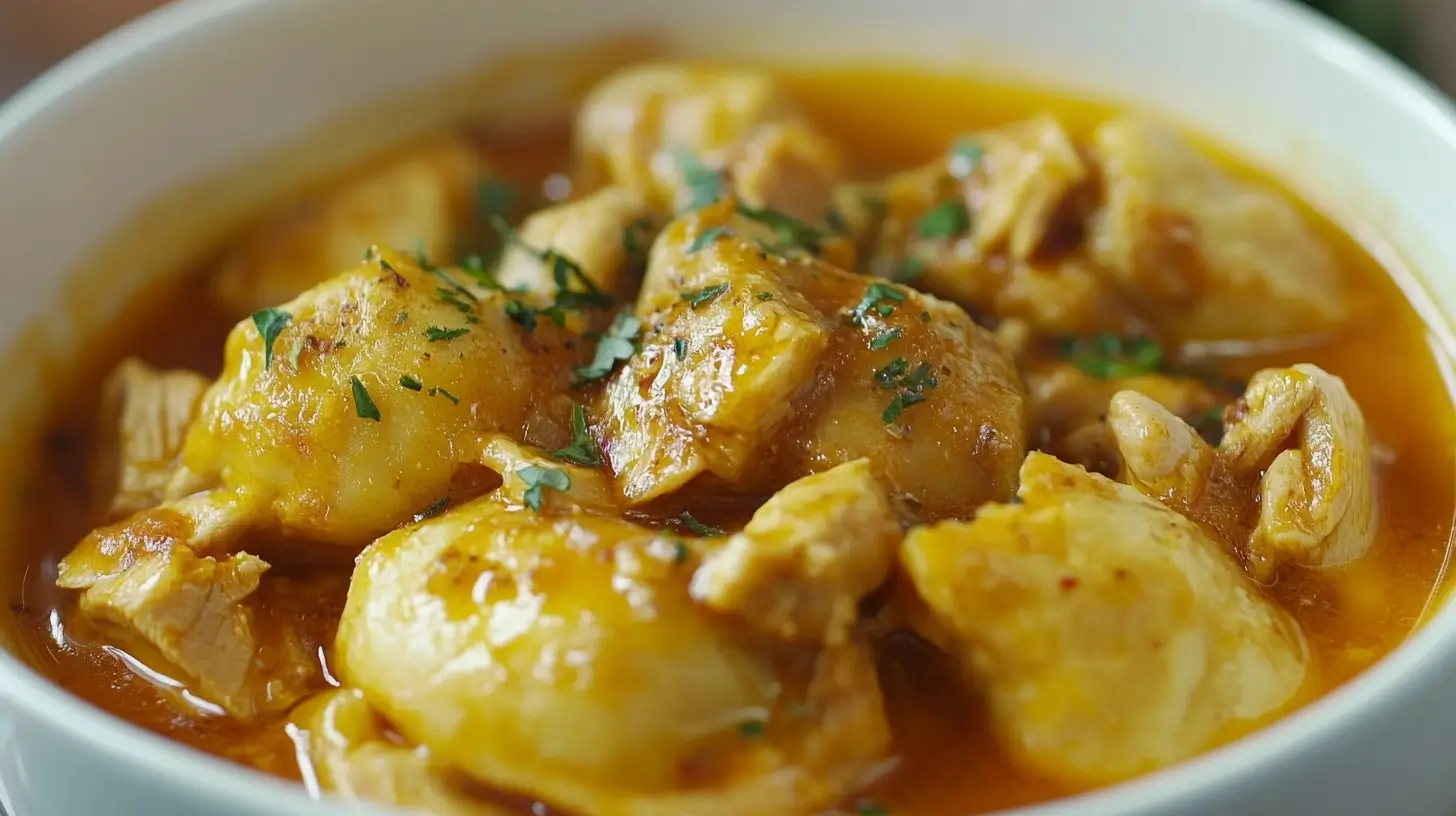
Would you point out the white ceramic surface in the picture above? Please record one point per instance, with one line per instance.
(206, 84)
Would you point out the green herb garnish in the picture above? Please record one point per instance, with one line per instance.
(704, 185)
(435, 333)
(583, 449)
(270, 324)
(406, 381)
(634, 240)
(792, 234)
(1108, 356)
(884, 339)
(400, 318)
(706, 237)
(888, 376)
(697, 298)
(912, 386)
(965, 156)
(679, 552)
(945, 220)
(909, 269)
(879, 298)
(521, 314)
(440, 392)
(765, 295)
(433, 510)
(752, 729)
(898, 405)
(538, 478)
(698, 527)
(680, 348)
(869, 807)
(618, 344)
(494, 199)
(363, 404)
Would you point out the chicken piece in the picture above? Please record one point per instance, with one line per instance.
(764, 366)
(419, 198)
(657, 127)
(144, 415)
(1111, 635)
(981, 225)
(343, 745)
(212, 622)
(1208, 255)
(561, 657)
(521, 469)
(810, 554)
(1291, 482)
(1067, 409)
(364, 408)
(606, 234)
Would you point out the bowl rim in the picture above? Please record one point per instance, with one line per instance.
(1364, 698)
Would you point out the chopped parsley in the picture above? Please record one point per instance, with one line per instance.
(752, 729)
(884, 339)
(679, 552)
(406, 381)
(636, 240)
(698, 527)
(574, 290)
(435, 333)
(704, 185)
(618, 344)
(965, 156)
(583, 449)
(912, 386)
(440, 392)
(909, 269)
(945, 220)
(270, 323)
(697, 298)
(706, 237)
(680, 348)
(494, 199)
(1108, 356)
(433, 510)
(363, 404)
(792, 234)
(399, 318)
(765, 296)
(521, 314)
(537, 479)
(879, 298)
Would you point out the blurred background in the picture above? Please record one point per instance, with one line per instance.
(36, 33)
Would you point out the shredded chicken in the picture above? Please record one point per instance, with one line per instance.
(1110, 634)
(1291, 482)
(145, 413)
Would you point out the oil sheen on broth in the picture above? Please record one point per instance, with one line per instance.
(949, 757)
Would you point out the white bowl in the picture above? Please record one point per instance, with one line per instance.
(206, 85)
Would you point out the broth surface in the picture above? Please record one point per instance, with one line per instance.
(950, 762)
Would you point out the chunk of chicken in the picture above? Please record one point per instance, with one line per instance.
(561, 657)
(606, 234)
(980, 225)
(420, 198)
(520, 466)
(1291, 482)
(366, 407)
(144, 417)
(1209, 256)
(211, 622)
(807, 558)
(1110, 634)
(1067, 409)
(343, 745)
(763, 366)
(649, 127)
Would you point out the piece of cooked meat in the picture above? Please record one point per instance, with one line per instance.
(606, 234)
(1292, 480)
(1206, 255)
(144, 416)
(561, 657)
(762, 365)
(418, 199)
(807, 558)
(1110, 635)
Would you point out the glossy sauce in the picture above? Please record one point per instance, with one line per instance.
(949, 761)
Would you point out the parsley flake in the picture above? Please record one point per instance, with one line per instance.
(707, 237)
(636, 240)
(270, 324)
(494, 199)
(884, 339)
(406, 381)
(912, 385)
(765, 295)
(583, 449)
(888, 376)
(1108, 356)
(792, 234)
(879, 298)
(440, 392)
(909, 269)
(433, 510)
(752, 729)
(679, 552)
(704, 185)
(945, 220)
(898, 405)
(522, 314)
(697, 298)
(399, 318)
(618, 344)
(680, 348)
(435, 333)
(537, 479)
(363, 404)
(698, 527)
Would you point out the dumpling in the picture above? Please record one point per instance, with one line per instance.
(763, 364)
(1110, 635)
(1207, 256)
(561, 657)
